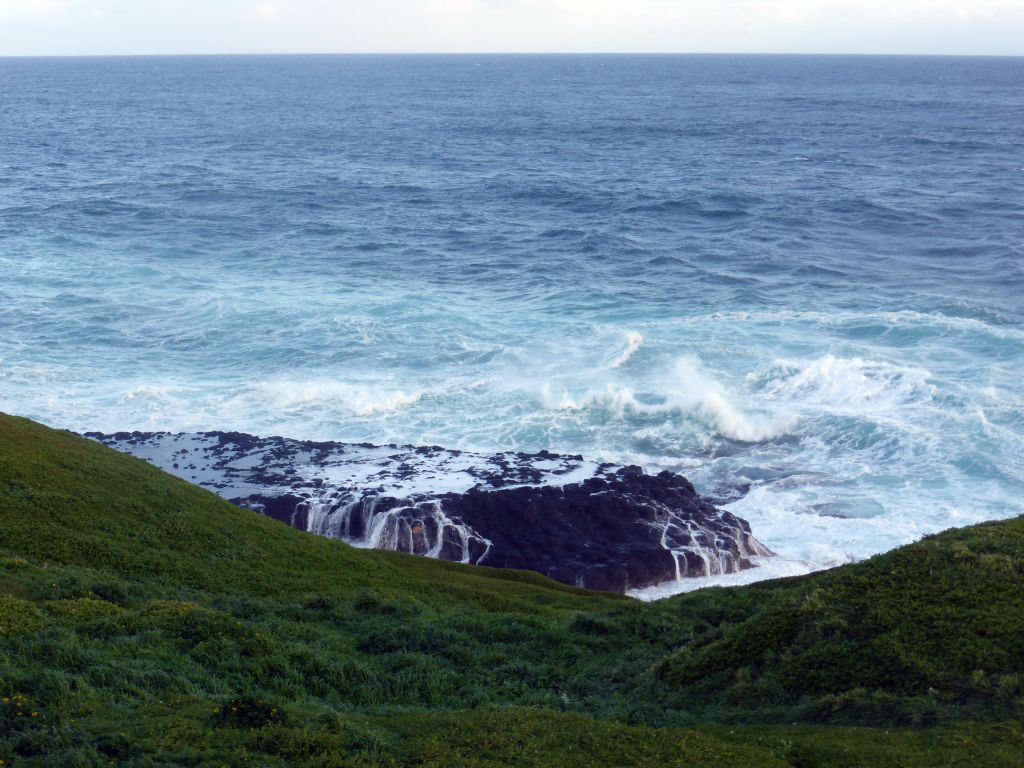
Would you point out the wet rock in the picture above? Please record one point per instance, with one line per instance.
(594, 525)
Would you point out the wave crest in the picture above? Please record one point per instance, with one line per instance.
(685, 389)
(845, 384)
(634, 341)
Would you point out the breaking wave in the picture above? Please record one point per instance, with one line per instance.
(684, 388)
(846, 373)
(633, 342)
(852, 384)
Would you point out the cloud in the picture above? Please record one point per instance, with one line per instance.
(42, 7)
(193, 26)
(268, 11)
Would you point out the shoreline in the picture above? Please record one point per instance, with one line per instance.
(595, 525)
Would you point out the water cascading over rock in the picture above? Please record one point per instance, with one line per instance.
(594, 525)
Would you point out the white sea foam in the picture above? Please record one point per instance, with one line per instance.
(890, 392)
(358, 399)
(684, 387)
(151, 392)
(614, 398)
(844, 384)
(935, 323)
(765, 568)
(848, 447)
(692, 389)
(634, 341)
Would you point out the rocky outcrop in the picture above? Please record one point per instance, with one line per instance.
(594, 525)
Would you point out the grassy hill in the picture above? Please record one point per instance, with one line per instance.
(144, 621)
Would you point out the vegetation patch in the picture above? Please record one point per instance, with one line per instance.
(18, 616)
(80, 610)
(147, 622)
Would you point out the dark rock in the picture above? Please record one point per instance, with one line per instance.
(593, 525)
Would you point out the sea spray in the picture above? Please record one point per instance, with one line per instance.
(694, 275)
(591, 524)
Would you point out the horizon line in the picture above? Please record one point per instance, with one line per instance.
(508, 53)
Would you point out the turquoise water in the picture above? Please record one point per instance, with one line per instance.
(798, 280)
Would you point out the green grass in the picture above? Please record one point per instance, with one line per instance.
(928, 633)
(144, 621)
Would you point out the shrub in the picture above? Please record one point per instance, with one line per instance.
(82, 609)
(17, 616)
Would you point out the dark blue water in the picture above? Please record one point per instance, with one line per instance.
(802, 276)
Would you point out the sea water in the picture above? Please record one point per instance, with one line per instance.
(797, 280)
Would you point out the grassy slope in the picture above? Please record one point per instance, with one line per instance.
(145, 620)
(929, 632)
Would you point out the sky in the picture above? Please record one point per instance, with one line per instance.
(103, 27)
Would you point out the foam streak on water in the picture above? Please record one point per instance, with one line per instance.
(796, 280)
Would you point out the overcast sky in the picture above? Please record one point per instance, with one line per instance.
(59, 27)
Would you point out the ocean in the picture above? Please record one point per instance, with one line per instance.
(797, 280)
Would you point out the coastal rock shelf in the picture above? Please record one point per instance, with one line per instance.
(594, 525)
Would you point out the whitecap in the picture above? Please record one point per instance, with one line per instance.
(683, 388)
(844, 385)
(691, 389)
(357, 399)
(633, 342)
